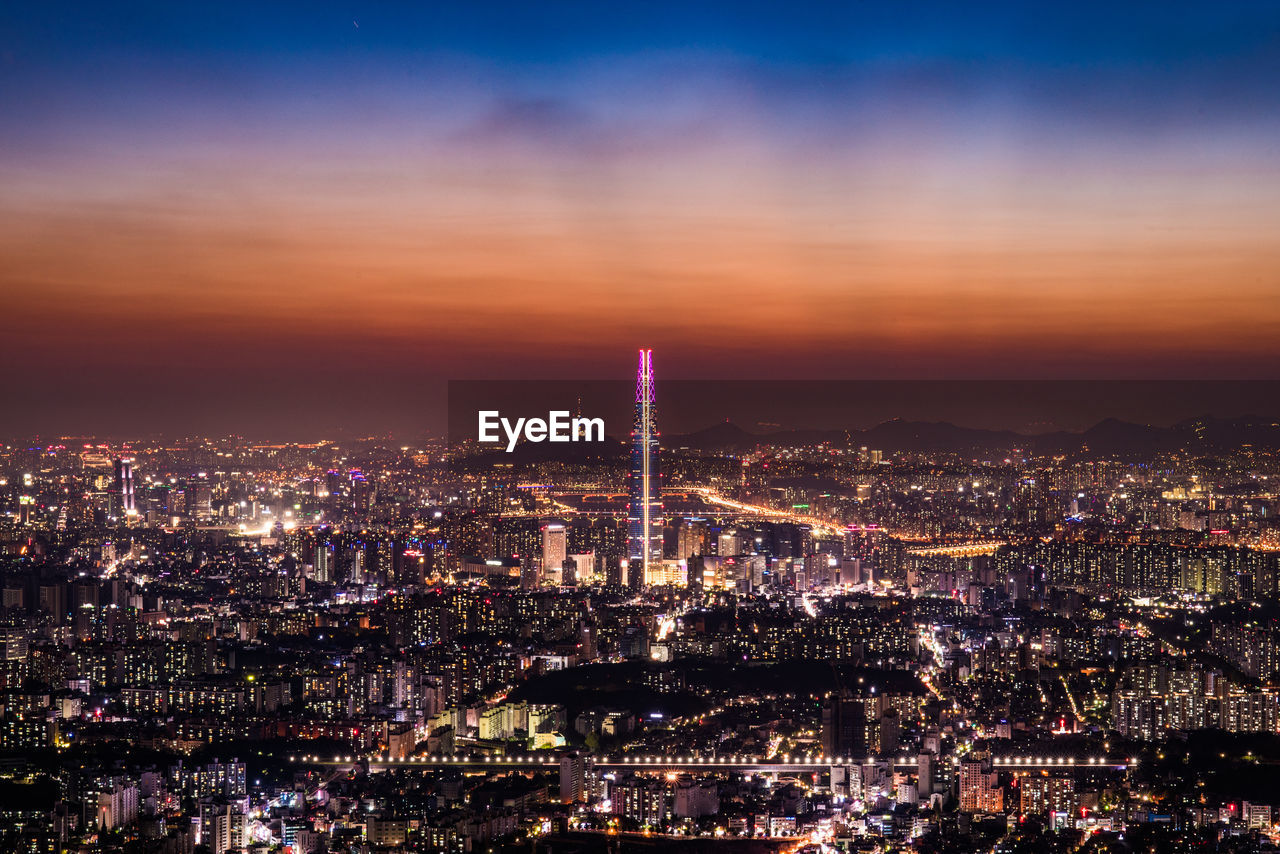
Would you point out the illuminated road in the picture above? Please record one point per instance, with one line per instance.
(712, 497)
(707, 494)
(928, 639)
(824, 526)
(1075, 708)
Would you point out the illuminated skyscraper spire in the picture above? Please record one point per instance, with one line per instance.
(644, 510)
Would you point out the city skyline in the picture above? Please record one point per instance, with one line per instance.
(338, 646)
(604, 428)
(383, 198)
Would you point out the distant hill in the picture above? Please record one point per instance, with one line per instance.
(1110, 437)
(722, 436)
(902, 435)
(1233, 432)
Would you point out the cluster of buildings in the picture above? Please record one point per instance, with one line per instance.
(230, 646)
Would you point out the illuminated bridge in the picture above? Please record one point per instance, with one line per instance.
(758, 764)
(956, 550)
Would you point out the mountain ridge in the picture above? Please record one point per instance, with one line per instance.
(1108, 436)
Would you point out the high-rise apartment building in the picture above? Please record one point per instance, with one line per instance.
(979, 786)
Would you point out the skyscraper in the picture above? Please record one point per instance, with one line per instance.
(554, 551)
(844, 726)
(644, 510)
(124, 487)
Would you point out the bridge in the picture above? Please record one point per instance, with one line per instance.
(956, 549)
(757, 764)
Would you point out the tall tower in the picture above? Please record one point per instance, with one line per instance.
(644, 510)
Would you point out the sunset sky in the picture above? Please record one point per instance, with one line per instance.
(219, 216)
